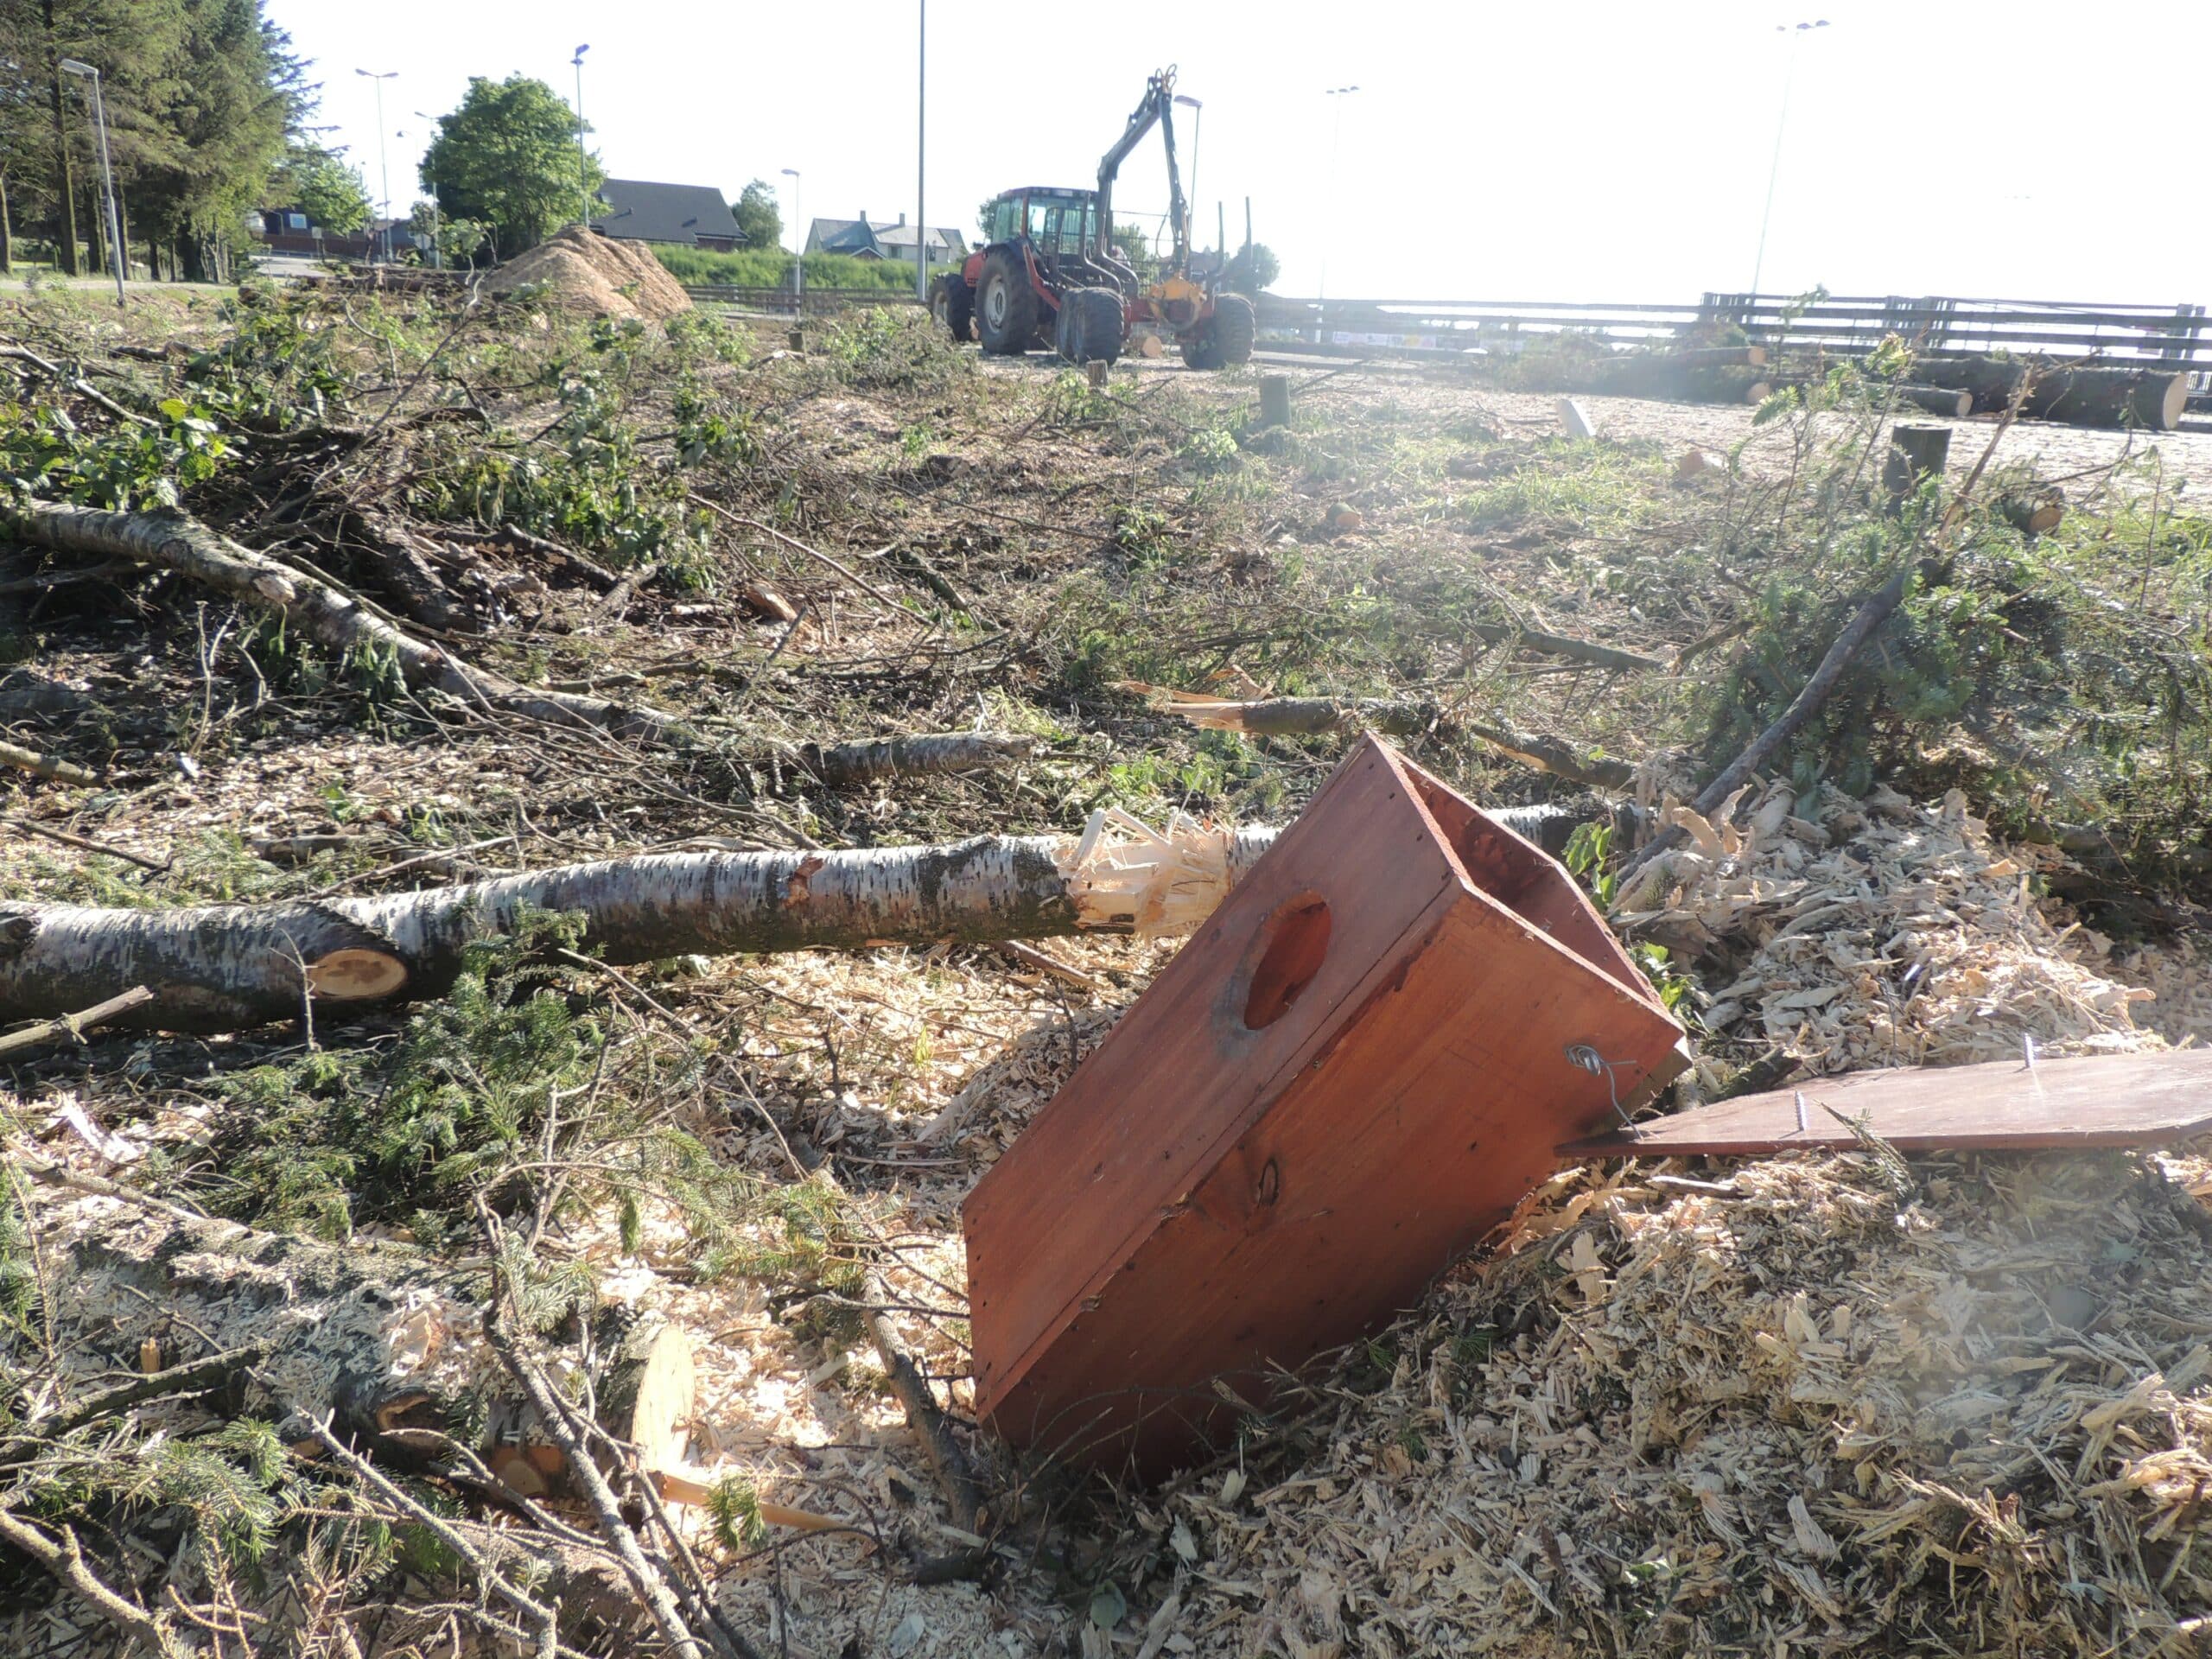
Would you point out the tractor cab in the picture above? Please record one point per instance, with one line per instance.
(1056, 224)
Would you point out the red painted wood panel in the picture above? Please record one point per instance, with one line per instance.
(1227, 1222)
(2120, 1100)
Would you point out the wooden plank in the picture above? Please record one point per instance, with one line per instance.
(1180, 1219)
(2130, 1100)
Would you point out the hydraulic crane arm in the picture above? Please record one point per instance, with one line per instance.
(1158, 106)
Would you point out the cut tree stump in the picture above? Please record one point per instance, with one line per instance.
(1916, 454)
(1275, 400)
(1354, 1071)
(1575, 419)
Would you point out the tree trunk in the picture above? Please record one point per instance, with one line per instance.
(845, 763)
(314, 607)
(2151, 398)
(1991, 382)
(96, 223)
(7, 232)
(1954, 401)
(388, 1340)
(65, 182)
(220, 968)
(1682, 379)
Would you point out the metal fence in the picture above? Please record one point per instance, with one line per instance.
(2170, 337)
(816, 301)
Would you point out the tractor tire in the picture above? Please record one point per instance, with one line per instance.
(952, 306)
(1091, 326)
(1005, 305)
(1224, 340)
(1235, 327)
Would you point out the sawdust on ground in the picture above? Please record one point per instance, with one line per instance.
(587, 271)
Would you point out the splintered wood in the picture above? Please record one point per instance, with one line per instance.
(1121, 873)
(1876, 932)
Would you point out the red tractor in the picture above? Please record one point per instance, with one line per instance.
(1051, 278)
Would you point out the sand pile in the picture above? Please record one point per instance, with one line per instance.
(587, 271)
(1877, 932)
(1789, 1409)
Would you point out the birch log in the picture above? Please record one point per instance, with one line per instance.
(223, 968)
(314, 608)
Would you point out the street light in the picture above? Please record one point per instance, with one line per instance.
(85, 71)
(1336, 132)
(1198, 131)
(384, 163)
(437, 250)
(1781, 121)
(583, 161)
(921, 151)
(799, 233)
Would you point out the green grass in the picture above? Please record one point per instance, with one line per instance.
(772, 268)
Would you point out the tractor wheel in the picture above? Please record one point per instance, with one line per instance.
(1006, 306)
(1091, 326)
(1234, 328)
(1224, 340)
(952, 306)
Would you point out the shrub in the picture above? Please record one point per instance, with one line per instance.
(772, 268)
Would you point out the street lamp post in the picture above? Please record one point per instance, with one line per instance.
(798, 239)
(1198, 132)
(1336, 133)
(921, 151)
(384, 163)
(583, 160)
(437, 223)
(85, 71)
(1781, 122)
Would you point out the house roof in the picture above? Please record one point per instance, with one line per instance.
(639, 210)
(874, 236)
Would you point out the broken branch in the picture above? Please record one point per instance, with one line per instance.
(74, 1025)
(316, 608)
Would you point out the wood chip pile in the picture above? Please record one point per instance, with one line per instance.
(1877, 932)
(1802, 1407)
(601, 275)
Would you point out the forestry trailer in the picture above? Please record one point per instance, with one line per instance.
(1052, 277)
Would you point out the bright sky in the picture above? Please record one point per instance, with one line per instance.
(2017, 149)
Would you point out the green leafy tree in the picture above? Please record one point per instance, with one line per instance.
(325, 189)
(508, 158)
(1254, 268)
(458, 240)
(758, 218)
(1135, 244)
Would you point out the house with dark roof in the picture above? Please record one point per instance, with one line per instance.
(878, 238)
(692, 215)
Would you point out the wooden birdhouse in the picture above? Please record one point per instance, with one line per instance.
(1350, 1074)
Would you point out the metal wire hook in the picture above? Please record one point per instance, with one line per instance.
(1583, 1057)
